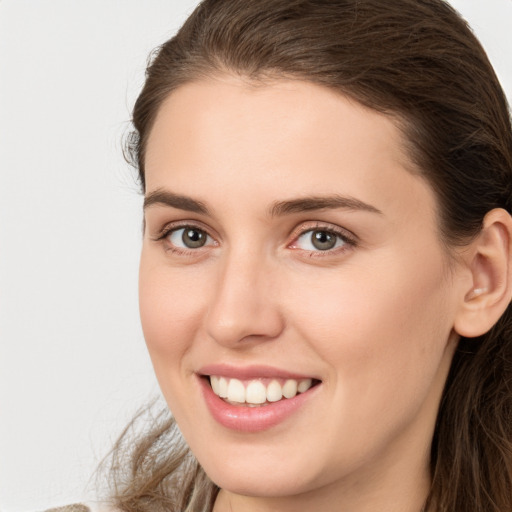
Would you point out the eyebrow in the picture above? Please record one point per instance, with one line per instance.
(279, 208)
(166, 198)
(320, 203)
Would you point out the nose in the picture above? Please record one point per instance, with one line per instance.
(244, 306)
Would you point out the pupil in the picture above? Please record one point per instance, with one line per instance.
(323, 240)
(193, 238)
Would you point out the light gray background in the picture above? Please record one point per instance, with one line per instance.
(73, 366)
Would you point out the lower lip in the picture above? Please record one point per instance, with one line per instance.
(252, 419)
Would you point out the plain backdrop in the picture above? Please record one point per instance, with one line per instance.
(73, 365)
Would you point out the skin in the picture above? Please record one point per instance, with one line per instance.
(372, 318)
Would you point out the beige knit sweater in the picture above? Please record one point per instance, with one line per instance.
(77, 507)
(84, 507)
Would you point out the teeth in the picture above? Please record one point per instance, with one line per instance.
(254, 392)
(304, 385)
(223, 388)
(236, 391)
(290, 388)
(274, 391)
(214, 382)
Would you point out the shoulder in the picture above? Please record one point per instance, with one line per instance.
(84, 507)
(76, 507)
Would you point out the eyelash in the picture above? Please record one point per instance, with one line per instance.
(167, 230)
(349, 239)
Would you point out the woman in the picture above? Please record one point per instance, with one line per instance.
(325, 279)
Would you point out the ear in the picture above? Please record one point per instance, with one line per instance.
(489, 260)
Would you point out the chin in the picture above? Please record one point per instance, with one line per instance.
(259, 483)
(267, 475)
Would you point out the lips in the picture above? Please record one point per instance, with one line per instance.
(253, 399)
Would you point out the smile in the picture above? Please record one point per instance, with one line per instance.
(257, 392)
(256, 398)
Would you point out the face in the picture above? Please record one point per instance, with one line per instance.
(293, 262)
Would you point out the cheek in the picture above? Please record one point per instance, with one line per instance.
(170, 313)
(379, 326)
(382, 332)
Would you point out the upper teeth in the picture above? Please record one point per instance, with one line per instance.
(255, 391)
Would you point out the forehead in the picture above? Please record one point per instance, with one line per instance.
(226, 110)
(286, 135)
(217, 95)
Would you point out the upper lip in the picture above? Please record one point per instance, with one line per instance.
(250, 372)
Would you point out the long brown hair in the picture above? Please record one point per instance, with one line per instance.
(419, 62)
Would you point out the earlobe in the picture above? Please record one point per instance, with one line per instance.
(489, 259)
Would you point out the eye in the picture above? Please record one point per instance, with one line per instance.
(188, 237)
(320, 240)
